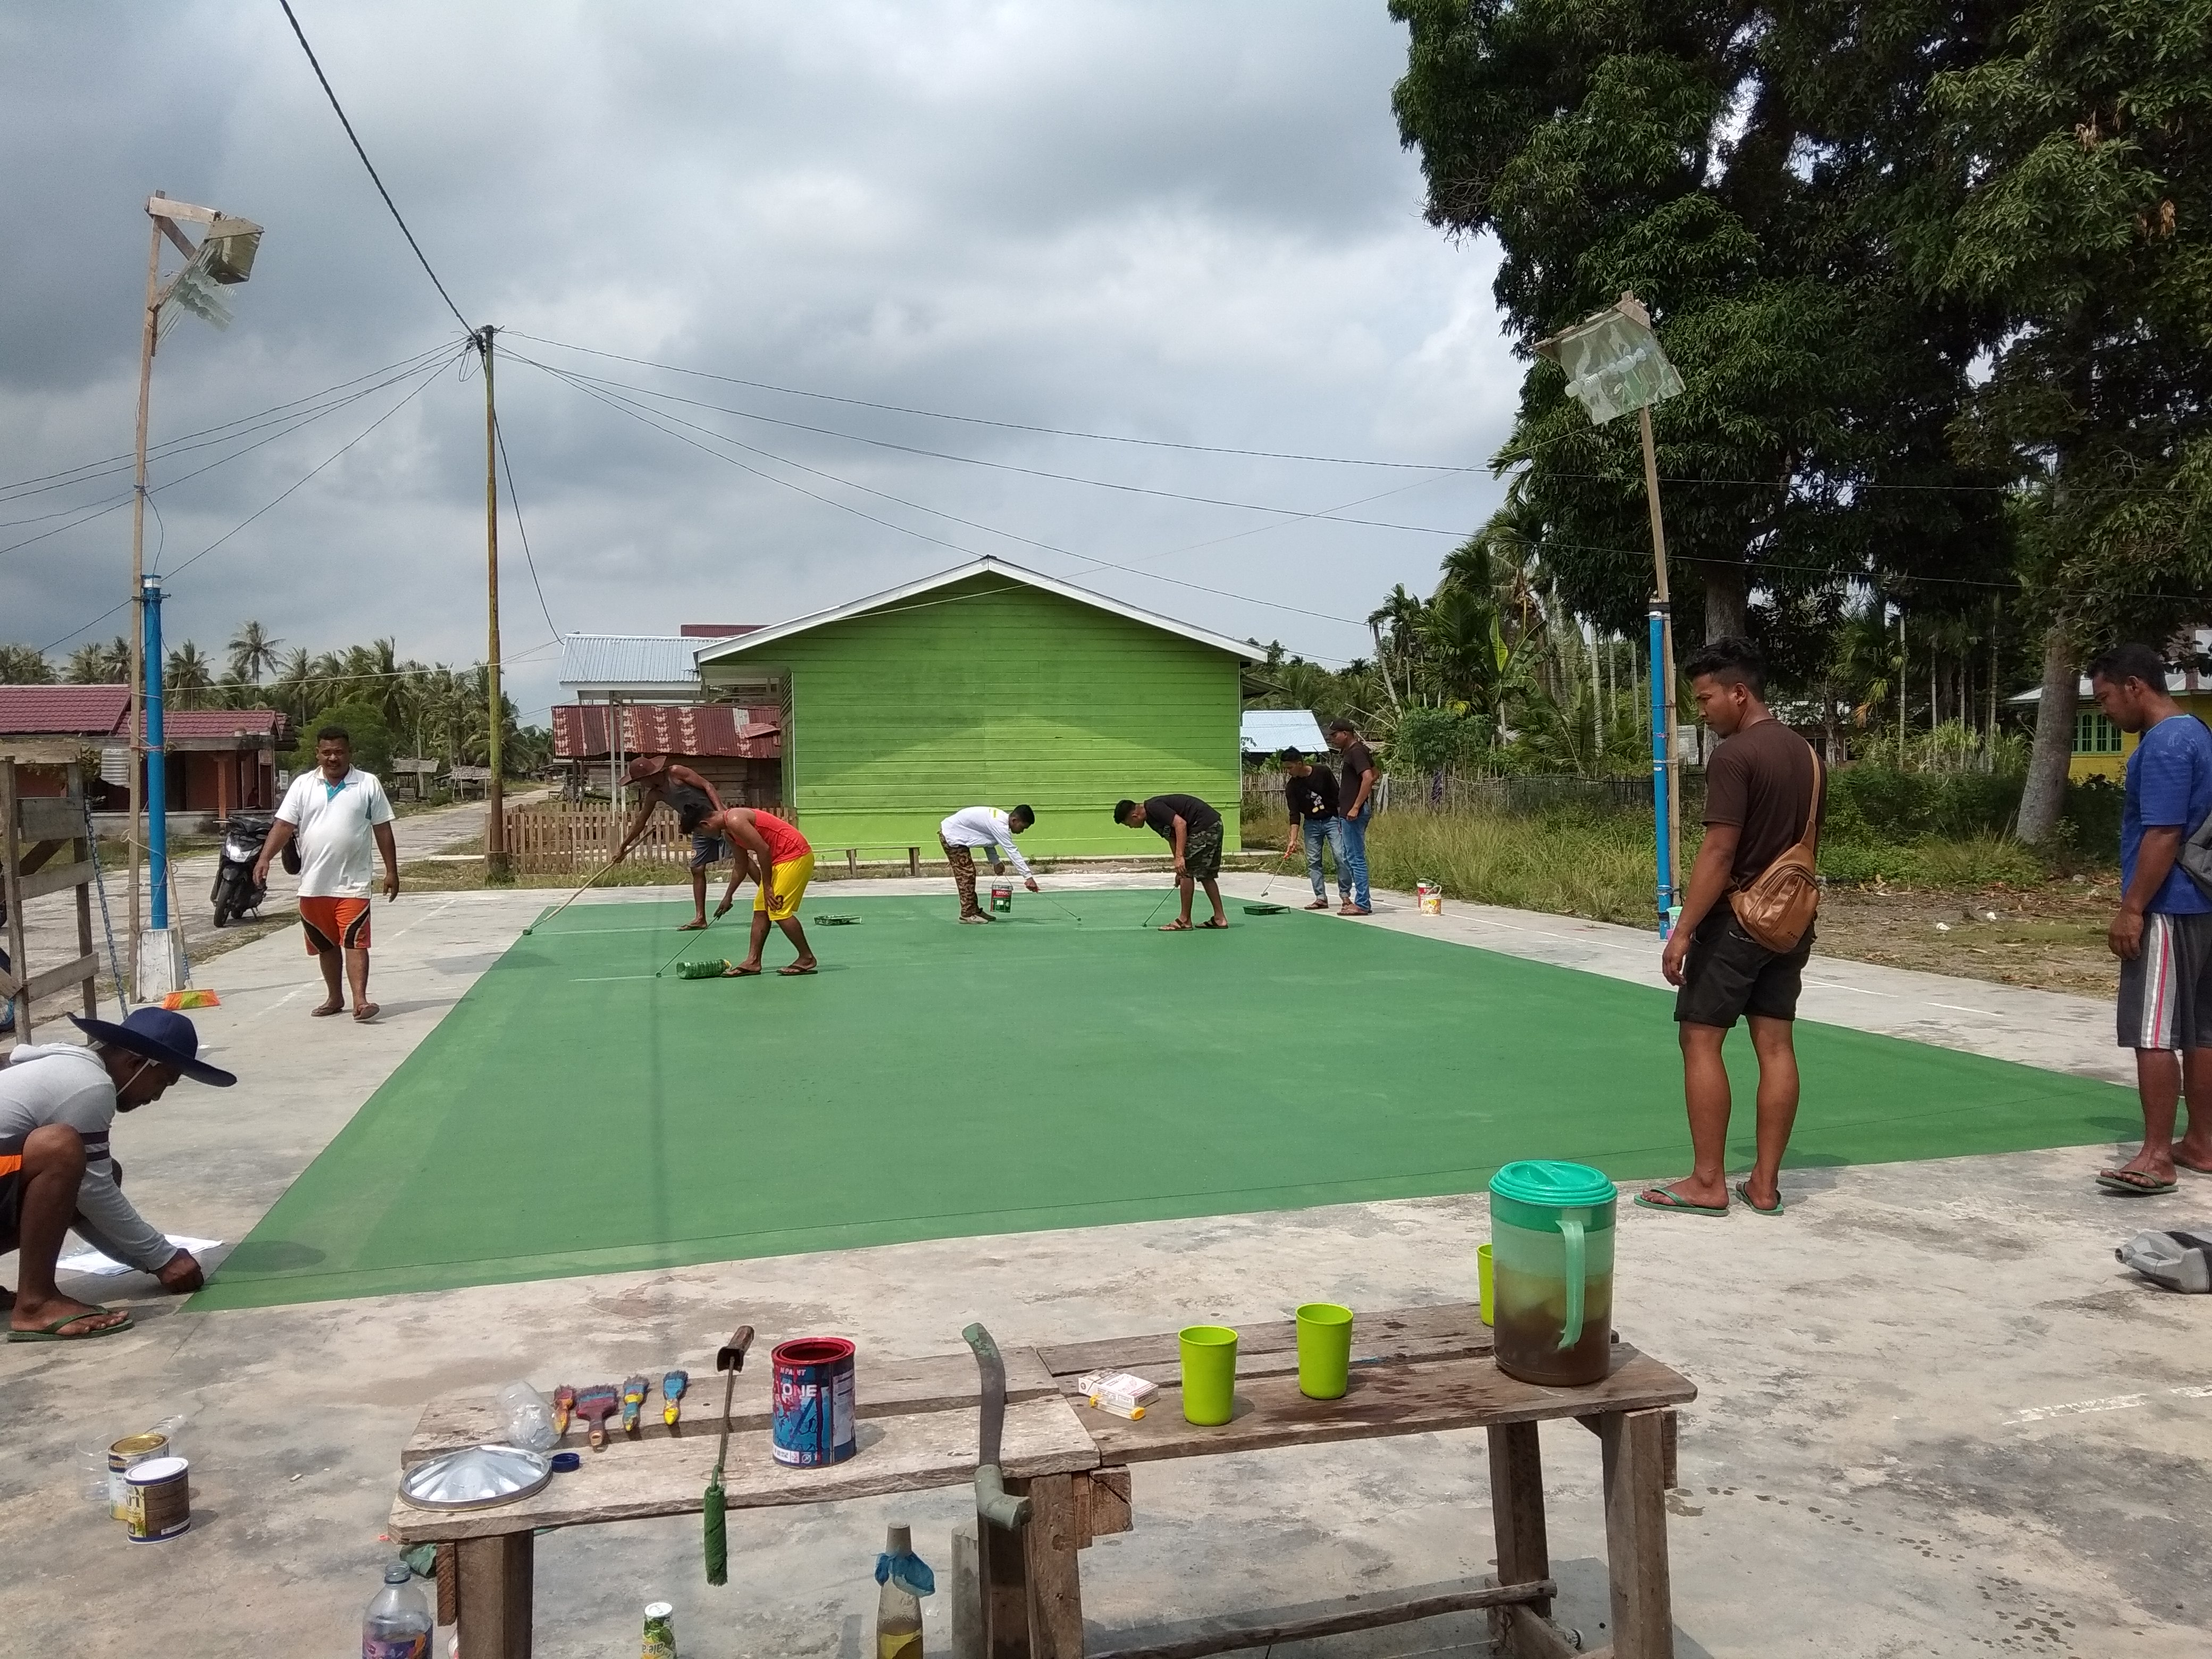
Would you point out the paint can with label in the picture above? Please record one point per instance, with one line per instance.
(1430, 897)
(811, 1422)
(160, 1500)
(125, 1455)
(1002, 899)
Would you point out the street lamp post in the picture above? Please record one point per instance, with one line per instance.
(1613, 364)
(222, 258)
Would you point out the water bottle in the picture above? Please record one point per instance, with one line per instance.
(905, 1579)
(397, 1623)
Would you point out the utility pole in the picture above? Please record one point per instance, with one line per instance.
(1663, 671)
(497, 868)
(149, 336)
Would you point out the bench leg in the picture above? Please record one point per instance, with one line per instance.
(495, 1582)
(1003, 1568)
(1636, 1534)
(1516, 1508)
(1051, 1541)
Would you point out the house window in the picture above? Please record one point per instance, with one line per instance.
(2094, 733)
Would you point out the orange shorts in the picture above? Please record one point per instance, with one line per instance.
(335, 924)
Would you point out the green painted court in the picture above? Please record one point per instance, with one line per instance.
(575, 1114)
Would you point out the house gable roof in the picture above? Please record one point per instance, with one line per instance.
(725, 650)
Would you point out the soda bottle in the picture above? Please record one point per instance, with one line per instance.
(905, 1579)
(397, 1623)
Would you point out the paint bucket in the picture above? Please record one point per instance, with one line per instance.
(125, 1455)
(1430, 899)
(160, 1500)
(812, 1420)
(1002, 900)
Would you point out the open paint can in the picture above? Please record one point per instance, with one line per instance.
(125, 1455)
(1002, 900)
(811, 1423)
(160, 1500)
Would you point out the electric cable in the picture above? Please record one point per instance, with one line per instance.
(514, 498)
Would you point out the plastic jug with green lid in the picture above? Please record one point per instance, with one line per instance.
(1551, 1238)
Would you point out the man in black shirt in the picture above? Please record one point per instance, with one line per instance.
(1311, 796)
(1357, 811)
(660, 781)
(1193, 829)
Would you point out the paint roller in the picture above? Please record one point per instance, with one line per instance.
(731, 1359)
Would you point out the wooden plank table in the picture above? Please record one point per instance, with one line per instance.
(1414, 1371)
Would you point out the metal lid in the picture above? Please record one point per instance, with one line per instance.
(660, 1609)
(1549, 1184)
(154, 1470)
(476, 1478)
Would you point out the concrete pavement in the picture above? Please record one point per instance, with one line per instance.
(1935, 1416)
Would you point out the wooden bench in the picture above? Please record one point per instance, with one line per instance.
(1414, 1371)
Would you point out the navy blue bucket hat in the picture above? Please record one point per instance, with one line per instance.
(158, 1034)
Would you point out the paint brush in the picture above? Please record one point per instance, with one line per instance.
(564, 1404)
(595, 1405)
(633, 1402)
(671, 1393)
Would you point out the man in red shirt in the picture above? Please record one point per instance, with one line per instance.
(781, 863)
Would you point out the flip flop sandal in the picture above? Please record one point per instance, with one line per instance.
(1743, 1191)
(2134, 1184)
(1176, 927)
(1216, 926)
(1658, 1198)
(795, 971)
(53, 1332)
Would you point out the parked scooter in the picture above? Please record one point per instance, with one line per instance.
(236, 892)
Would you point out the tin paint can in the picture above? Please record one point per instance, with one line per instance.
(1002, 899)
(811, 1423)
(125, 1455)
(1430, 899)
(160, 1500)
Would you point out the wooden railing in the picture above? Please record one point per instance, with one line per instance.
(557, 841)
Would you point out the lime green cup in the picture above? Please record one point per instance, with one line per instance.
(1483, 1273)
(1324, 1350)
(1209, 1374)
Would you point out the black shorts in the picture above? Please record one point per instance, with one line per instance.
(11, 1193)
(1729, 974)
(706, 850)
(2165, 988)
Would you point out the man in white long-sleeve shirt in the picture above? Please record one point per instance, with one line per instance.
(56, 1102)
(983, 826)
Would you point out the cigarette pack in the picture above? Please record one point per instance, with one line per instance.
(1122, 1393)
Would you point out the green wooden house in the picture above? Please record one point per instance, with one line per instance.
(990, 684)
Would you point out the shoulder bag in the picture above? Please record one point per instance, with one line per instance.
(1777, 908)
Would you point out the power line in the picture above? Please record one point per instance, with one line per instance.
(514, 499)
(371, 166)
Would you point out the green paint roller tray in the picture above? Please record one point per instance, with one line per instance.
(701, 970)
(836, 921)
(1265, 909)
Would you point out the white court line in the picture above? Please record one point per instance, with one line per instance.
(2118, 1402)
(1961, 1008)
(609, 979)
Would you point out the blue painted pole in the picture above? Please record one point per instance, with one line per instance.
(157, 771)
(1659, 816)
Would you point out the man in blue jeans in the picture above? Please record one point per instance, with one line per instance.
(2162, 932)
(1356, 796)
(1310, 796)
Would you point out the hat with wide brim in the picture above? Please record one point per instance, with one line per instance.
(161, 1035)
(644, 767)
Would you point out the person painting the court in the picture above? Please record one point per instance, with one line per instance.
(337, 813)
(1356, 812)
(972, 827)
(1310, 795)
(661, 783)
(1193, 829)
(781, 863)
(2162, 931)
(1766, 791)
(57, 1102)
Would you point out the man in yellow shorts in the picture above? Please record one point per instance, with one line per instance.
(781, 863)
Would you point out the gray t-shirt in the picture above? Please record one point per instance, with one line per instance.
(62, 1083)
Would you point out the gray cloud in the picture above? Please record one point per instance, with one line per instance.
(1185, 223)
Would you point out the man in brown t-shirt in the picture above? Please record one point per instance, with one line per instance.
(1763, 788)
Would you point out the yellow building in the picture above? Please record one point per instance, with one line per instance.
(2101, 748)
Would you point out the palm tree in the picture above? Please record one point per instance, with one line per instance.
(252, 651)
(25, 665)
(188, 680)
(294, 673)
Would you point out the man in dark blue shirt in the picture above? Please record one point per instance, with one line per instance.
(2162, 932)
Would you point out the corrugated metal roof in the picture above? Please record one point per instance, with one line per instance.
(63, 710)
(721, 729)
(1271, 731)
(221, 722)
(654, 660)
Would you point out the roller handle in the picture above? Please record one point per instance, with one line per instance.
(731, 1356)
(995, 1505)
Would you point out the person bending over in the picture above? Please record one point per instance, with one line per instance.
(1193, 829)
(660, 781)
(972, 827)
(781, 863)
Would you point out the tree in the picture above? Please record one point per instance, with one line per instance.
(371, 738)
(100, 664)
(25, 665)
(187, 682)
(252, 651)
(2072, 195)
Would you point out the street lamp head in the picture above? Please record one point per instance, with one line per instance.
(1613, 362)
(231, 244)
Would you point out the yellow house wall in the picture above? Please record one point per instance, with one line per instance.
(2113, 767)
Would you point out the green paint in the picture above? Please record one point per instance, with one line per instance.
(990, 691)
(939, 1081)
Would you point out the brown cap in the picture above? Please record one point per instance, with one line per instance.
(645, 766)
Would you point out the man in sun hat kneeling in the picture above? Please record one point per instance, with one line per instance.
(56, 1102)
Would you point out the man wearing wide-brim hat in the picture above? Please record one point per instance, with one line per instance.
(56, 1102)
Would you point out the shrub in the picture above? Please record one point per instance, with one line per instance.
(371, 738)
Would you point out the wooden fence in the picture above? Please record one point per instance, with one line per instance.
(560, 841)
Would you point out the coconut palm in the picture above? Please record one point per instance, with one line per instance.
(252, 651)
(188, 679)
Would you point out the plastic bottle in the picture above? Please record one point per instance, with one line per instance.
(529, 1419)
(906, 1578)
(397, 1623)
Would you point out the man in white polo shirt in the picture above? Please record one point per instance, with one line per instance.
(337, 813)
(983, 826)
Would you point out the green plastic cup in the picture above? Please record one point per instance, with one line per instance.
(1324, 1350)
(1209, 1374)
(1483, 1277)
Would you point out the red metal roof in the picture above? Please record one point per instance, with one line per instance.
(56, 711)
(720, 729)
(221, 722)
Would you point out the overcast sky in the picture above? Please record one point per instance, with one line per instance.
(1179, 222)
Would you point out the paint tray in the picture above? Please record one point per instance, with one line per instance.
(701, 970)
(836, 921)
(1265, 909)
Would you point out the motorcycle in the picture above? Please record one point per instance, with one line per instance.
(236, 892)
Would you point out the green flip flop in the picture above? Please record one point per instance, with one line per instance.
(2130, 1183)
(53, 1332)
(1659, 1198)
(1743, 1191)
